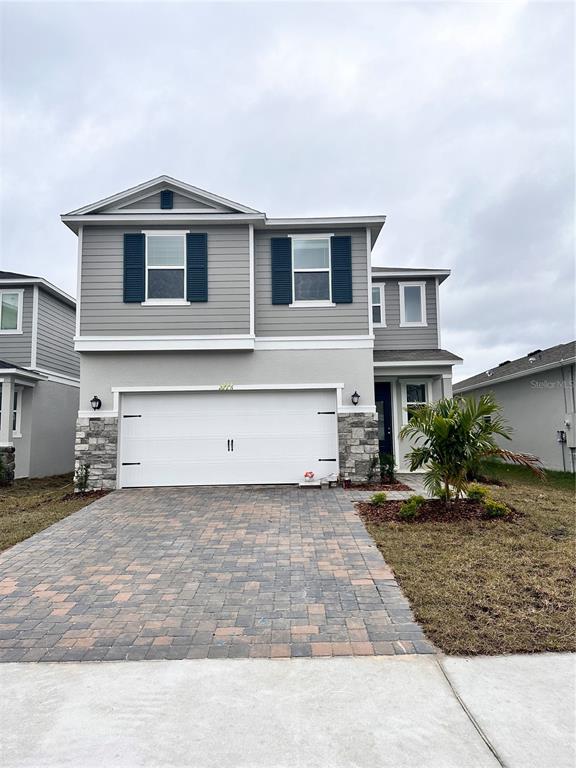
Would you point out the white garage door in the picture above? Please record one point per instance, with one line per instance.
(227, 438)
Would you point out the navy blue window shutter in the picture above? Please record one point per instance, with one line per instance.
(197, 266)
(281, 270)
(166, 199)
(134, 280)
(341, 251)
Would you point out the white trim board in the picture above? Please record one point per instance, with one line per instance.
(230, 387)
(313, 342)
(161, 343)
(34, 339)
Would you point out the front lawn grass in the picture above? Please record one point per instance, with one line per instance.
(494, 586)
(29, 506)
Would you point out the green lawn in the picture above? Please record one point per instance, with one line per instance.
(29, 506)
(487, 587)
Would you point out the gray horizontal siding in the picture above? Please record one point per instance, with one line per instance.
(153, 202)
(281, 320)
(16, 348)
(395, 337)
(104, 313)
(56, 329)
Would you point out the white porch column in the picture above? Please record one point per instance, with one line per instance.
(446, 385)
(7, 410)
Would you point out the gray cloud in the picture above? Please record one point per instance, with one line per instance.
(456, 120)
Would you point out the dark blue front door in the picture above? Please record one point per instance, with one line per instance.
(383, 396)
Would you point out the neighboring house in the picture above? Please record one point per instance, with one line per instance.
(221, 346)
(39, 376)
(538, 400)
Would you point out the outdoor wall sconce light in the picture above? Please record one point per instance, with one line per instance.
(355, 398)
(96, 403)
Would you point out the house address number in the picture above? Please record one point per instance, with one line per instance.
(226, 387)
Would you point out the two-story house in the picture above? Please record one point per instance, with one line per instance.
(39, 377)
(220, 346)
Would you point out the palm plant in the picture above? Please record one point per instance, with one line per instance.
(452, 436)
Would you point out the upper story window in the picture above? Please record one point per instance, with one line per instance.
(311, 273)
(412, 304)
(165, 267)
(378, 314)
(11, 311)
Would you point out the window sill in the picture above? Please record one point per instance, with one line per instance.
(17, 434)
(379, 325)
(312, 304)
(165, 303)
(413, 325)
(10, 333)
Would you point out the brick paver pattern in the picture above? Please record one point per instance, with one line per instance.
(187, 573)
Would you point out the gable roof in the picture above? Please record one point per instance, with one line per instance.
(15, 278)
(214, 209)
(539, 359)
(158, 181)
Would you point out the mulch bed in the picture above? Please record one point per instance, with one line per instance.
(378, 487)
(432, 510)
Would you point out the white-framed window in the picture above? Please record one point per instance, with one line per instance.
(11, 301)
(16, 411)
(378, 310)
(412, 304)
(165, 267)
(311, 271)
(414, 394)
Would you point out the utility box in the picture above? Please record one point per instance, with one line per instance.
(570, 425)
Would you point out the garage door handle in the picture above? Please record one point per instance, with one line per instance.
(326, 459)
(132, 416)
(328, 413)
(130, 463)
(232, 443)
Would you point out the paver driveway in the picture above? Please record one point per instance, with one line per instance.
(177, 573)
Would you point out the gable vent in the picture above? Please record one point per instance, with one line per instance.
(166, 199)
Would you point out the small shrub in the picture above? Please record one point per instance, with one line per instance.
(373, 463)
(387, 466)
(495, 508)
(477, 492)
(410, 508)
(81, 477)
(378, 498)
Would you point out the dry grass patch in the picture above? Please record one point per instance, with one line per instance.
(29, 506)
(487, 587)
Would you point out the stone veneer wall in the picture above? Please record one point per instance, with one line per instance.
(97, 445)
(8, 464)
(358, 438)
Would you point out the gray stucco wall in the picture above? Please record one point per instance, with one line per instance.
(535, 407)
(16, 347)
(56, 329)
(227, 310)
(395, 337)
(54, 412)
(101, 371)
(280, 320)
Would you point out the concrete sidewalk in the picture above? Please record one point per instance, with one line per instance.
(390, 712)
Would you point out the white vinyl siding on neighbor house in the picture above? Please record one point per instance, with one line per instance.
(396, 336)
(302, 320)
(227, 438)
(104, 312)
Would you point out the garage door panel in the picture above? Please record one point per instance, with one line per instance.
(185, 438)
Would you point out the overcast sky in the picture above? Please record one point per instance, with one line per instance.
(455, 120)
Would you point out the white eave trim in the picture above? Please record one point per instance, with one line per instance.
(457, 389)
(16, 281)
(161, 343)
(314, 342)
(414, 363)
(18, 372)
